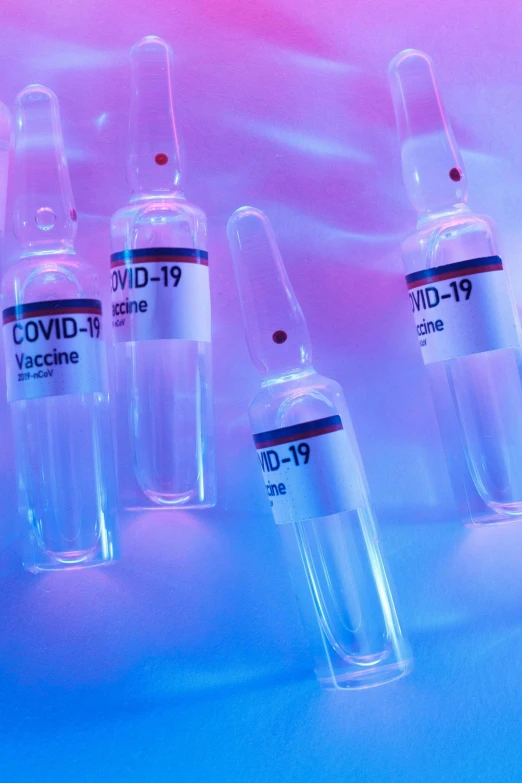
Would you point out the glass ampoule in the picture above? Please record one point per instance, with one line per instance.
(55, 359)
(314, 477)
(5, 136)
(460, 295)
(161, 309)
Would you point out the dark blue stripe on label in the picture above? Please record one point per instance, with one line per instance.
(57, 304)
(143, 252)
(435, 271)
(296, 431)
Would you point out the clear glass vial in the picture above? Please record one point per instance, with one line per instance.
(161, 309)
(55, 359)
(465, 315)
(314, 477)
(5, 136)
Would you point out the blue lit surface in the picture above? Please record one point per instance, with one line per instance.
(187, 661)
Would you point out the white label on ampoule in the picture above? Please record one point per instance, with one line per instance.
(309, 470)
(160, 293)
(53, 348)
(462, 308)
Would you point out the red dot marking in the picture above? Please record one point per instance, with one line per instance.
(73, 214)
(279, 337)
(161, 158)
(455, 175)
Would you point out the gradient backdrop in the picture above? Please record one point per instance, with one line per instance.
(187, 661)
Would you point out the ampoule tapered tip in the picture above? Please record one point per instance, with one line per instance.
(276, 332)
(5, 136)
(432, 166)
(415, 95)
(251, 237)
(38, 118)
(246, 210)
(38, 115)
(36, 92)
(153, 165)
(151, 44)
(44, 211)
(240, 218)
(407, 54)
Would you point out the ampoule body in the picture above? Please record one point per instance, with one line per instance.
(161, 309)
(55, 359)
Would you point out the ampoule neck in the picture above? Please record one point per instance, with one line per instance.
(41, 250)
(296, 374)
(44, 217)
(145, 197)
(426, 217)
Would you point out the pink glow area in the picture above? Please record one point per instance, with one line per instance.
(187, 661)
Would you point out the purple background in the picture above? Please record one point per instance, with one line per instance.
(187, 661)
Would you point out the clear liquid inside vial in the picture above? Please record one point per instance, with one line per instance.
(335, 561)
(64, 454)
(167, 382)
(64, 450)
(485, 388)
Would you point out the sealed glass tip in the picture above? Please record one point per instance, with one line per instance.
(154, 158)
(432, 166)
(44, 213)
(5, 134)
(276, 332)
